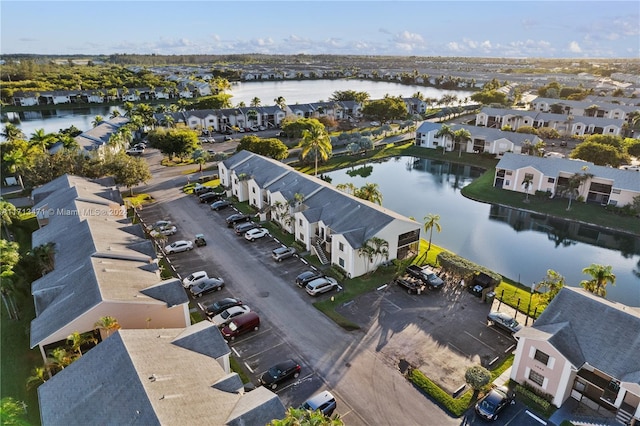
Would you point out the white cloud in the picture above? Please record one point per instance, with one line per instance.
(574, 47)
(407, 37)
(262, 42)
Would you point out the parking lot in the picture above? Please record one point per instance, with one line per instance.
(440, 332)
(259, 350)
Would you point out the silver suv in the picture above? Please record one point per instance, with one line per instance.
(282, 253)
(324, 401)
(321, 285)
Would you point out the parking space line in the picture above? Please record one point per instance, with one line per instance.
(297, 382)
(248, 368)
(398, 308)
(474, 337)
(535, 417)
(235, 352)
(261, 352)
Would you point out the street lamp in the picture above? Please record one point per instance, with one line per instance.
(533, 285)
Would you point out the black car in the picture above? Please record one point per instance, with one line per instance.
(279, 373)
(494, 402)
(237, 218)
(209, 197)
(241, 228)
(307, 276)
(222, 204)
(221, 305)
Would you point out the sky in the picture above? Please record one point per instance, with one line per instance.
(514, 29)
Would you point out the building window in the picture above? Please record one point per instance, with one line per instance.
(509, 173)
(615, 191)
(542, 357)
(300, 222)
(528, 176)
(253, 190)
(301, 237)
(340, 246)
(551, 180)
(536, 378)
(341, 262)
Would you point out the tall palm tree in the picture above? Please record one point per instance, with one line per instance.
(527, 182)
(115, 113)
(573, 184)
(316, 140)
(41, 139)
(348, 187)
(461, 137)
(444, 133)
(281, 102)
(200, 156)
(601, 275)
(255, 102)
(44, 255)
(107, 325)
(431, 221)
(97, 120)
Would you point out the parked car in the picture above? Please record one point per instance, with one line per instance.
(323, 401)
(630, 167)
(135, 152)
(282, 253)
(209, 197)
(261, 128)
(241, 324)
(227, 131)
(426, 275)
(178, 246)
(253, 129)
(374, 123)
(206, 286)
(494, 402)
(228, 138)
(224, 317)
(216, 307)
(504, 321)
(161, 223)
(243, 227)
(480, 282)
(321, 285)
(201, 189)
(167, 230)
(255, 233)
(412, 285)
(194, 278)
(221, 204)
(306, 276)
(279, 373)
(237, 218)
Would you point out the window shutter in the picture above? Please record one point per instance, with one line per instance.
(532, 352)
(551, 362)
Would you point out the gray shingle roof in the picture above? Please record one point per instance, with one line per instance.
(169, 291)
(142, 377)
(588, 328)
(602, 103)
(549, 116)
(203, 339)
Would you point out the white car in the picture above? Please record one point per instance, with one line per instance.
(164, 230)
(375, 123)
(321, 285)
(629, 167)
(224, 317)
(178, 246)
(256, 233)
(161, 223)
(195, 278)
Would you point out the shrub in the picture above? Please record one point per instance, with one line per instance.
(455, 406)
(461, 266)
(340, 273)
(477, 377)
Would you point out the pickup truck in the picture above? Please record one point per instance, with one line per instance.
(426, 275)
(412, 285)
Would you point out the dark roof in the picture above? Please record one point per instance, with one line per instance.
(589, 329)
(169, 291)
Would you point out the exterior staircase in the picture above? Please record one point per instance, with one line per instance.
(322, 256)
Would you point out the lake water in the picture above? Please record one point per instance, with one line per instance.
(294, 92)
(514, 243)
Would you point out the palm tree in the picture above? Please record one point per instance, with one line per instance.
(527, 182)
(97, 120)
(255, 102)
(12, 132)
(349, 188)
(431, 221)
(552, 284)
(38, 376)
(281, 102)
(573, 184)
(44, 255)
(200, 156)
(115, 113)
(77, 340)
(107, 325)
(444, 133)
(370, 192)
(60, 358)
(297, 416)
(317, 140)
(41, 139)
(460, 137)
(601, 275)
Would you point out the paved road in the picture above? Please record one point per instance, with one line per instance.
(371, 387)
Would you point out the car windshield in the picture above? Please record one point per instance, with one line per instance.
(225, 314)
(274, 372)
(511, 322)
(487, 406)
(233, 326)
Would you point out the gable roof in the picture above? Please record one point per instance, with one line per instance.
(589, 329)
(549, 116)
(622, 179)
(143, 377)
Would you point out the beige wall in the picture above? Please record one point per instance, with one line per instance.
(558, 373)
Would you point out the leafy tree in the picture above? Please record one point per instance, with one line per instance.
(431, 221)
(294, 126)
(128, 171)
(614, 141)
(97, 120)
(548, 133)
(316, 140)
(60, 358)
(9, 257)
(527, 129)
(38, 376)
(599, 154)
(550, 286)
(8, 213)
(219, 101)
(41, 139)
(299, 417)
(388, 108)
(44, 255)
(370, 192)
(78, 340)
(272, 147)
(633, 147)
(174, 142)
(488, 97)
(477, 377)
(12, 412)
(600, 276)
(348, 187)
(17, 155)
(349, 95)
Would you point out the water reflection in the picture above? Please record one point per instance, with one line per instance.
(511, 242)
